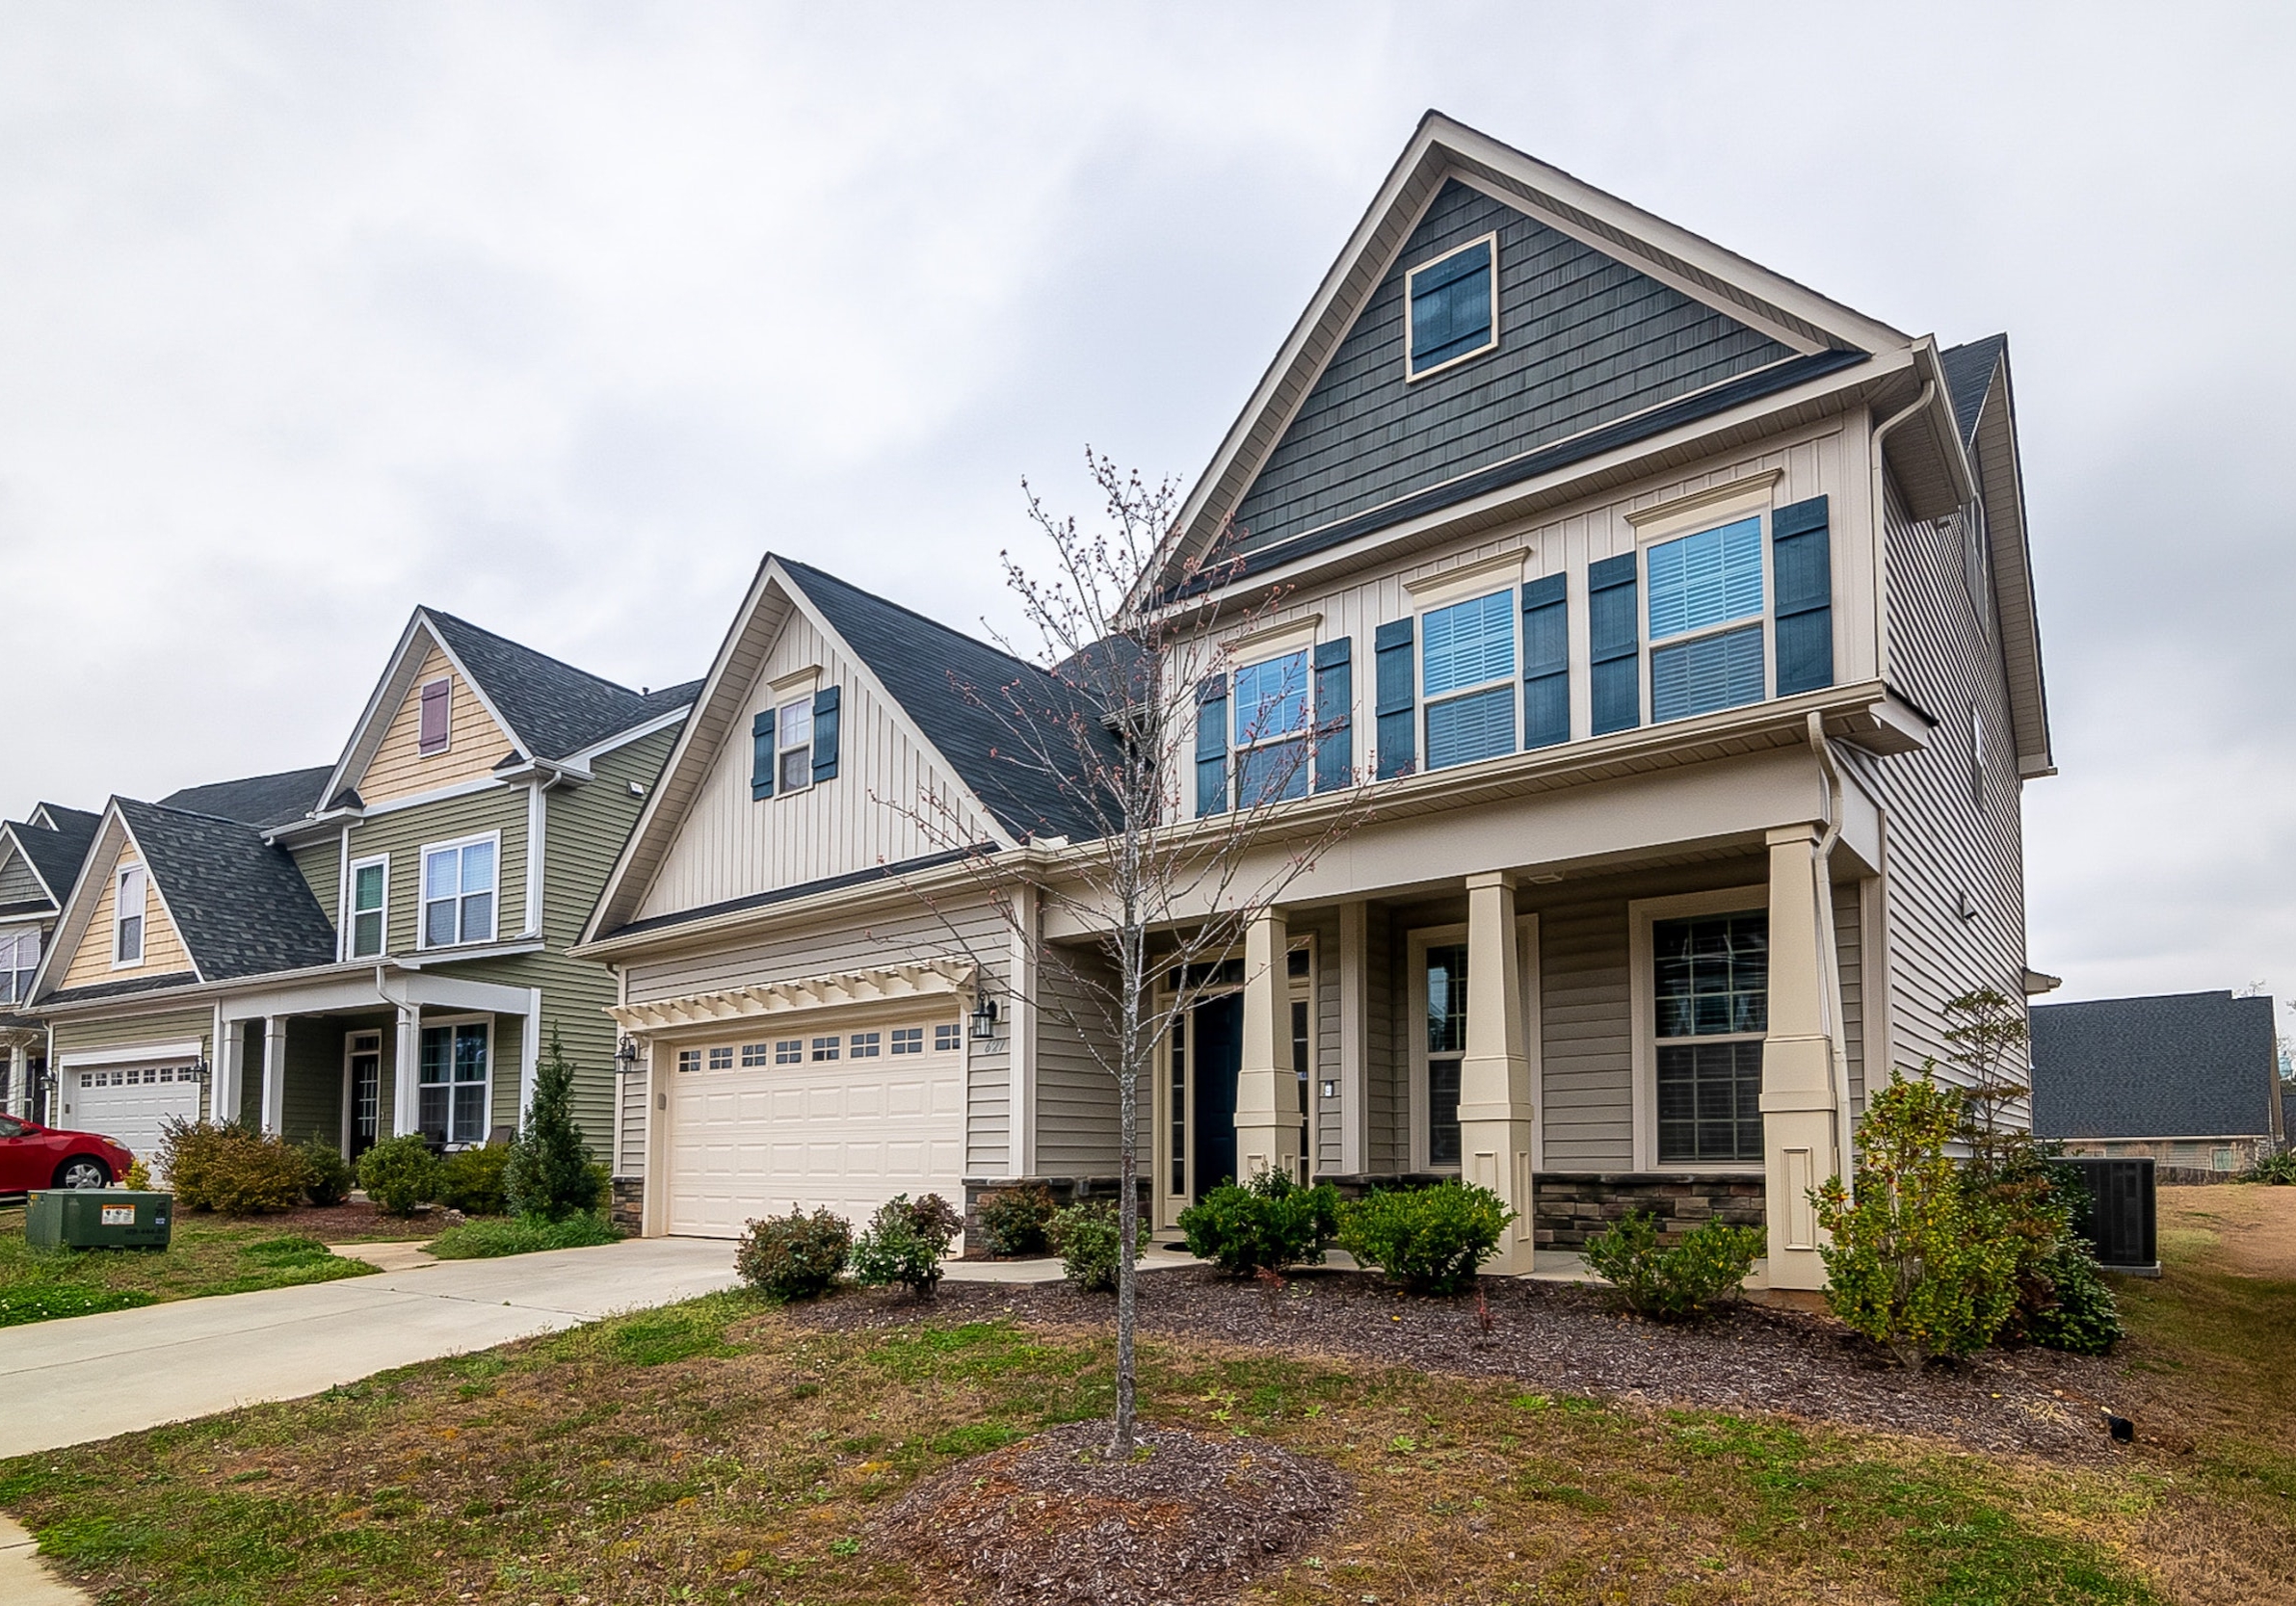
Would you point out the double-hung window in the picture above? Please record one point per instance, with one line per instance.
(1466, 677)
(453, 1085)
(1705, 621)
(370, 888)
(19, 957)
(793, 745)
(130, 890)
(1710, 983)
(1270, 729)
(459, 893)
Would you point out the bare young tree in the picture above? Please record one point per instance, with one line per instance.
(1161, 852)
(1988, 1042)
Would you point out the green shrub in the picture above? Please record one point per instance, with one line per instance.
(471, 1180)
(1086, 1238)
(2278, 1169)
(399, 1174)
(327, 1174)
(550, 1172)
(795, 1257)
(230, 1169)
(1914, 1264)
(905, 1243)
(1014, 1221)
(1429, 1238)
(1271, 1223)
(482, 1240)
(1673, 1283)
(45, 1301)
(2081, 1317)
(138, 1177)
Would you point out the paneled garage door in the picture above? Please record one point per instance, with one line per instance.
(128, 1103)
(841, 1119)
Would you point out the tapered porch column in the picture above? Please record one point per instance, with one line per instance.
(1496, 1105)
(1267, 1098)
(223, 1080)
(274, 1073)
(1799, 1108)
(406, 1104)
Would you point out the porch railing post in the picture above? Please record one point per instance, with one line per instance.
(1267, 1104)
(1497, 1108)
(1799, 1110)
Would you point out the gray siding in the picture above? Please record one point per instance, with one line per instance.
(1583, 339)
(1585, 1013)
(1849, 943)
(19, 885)
(1077, 1119)
(1321, 926)
(1387, 1064)
(629, 1159)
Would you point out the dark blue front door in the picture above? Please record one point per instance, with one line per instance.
(1219, 1038)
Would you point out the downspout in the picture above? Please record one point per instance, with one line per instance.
(1881, 524)
(1837, 1057)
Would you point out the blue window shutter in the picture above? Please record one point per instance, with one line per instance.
(825, 734)
(1802, 572)
(1614, 644)
(1393, 679)
(1450, 306)
(1211, 746)
(761, 755)
(1546, 661)
(1335, 713)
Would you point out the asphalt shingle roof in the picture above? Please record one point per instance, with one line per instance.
(942, 678)
(1968, 375)
(259, 800)
(2188, 1065)
(553, 705)
(241, 904)
(57, 854)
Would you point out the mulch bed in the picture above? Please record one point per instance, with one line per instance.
(1571, 1339)
(1184, 1519)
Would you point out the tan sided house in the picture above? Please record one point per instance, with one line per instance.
(1681, 622)
(40, 861)
(367, 948)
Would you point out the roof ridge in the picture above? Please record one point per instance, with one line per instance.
(194, 813)
(532, 651)
(922, 618)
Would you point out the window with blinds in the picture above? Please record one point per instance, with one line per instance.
(1466, 672)
(1710, 980)
(1705, 621)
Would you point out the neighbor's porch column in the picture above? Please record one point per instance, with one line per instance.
(1798, 1101)
(19, 1075)
(406, 1103)
(1497, 1107)
(223, 1080)
(1267, 1096)
(274, 1073)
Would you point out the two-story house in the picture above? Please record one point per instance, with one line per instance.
(1679, 621)
(371, 947)
(40, 861)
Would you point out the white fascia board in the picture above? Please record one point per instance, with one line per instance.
(580, 761)
(73, 1059)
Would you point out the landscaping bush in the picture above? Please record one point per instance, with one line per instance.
(138, 1177)
(399, 1174)
(904, 1242)
(482, 1240)
(230, 1169)
(1429, 1238)
(1674, 1283)
(1086, 1238)
(550, 1172)
(795, 1257)
(1913, 1264)
(1271, 1223)
(2276, 1169)
(327, 1174)
(1015, 1220)
(2081, 1316)
(471, 1180)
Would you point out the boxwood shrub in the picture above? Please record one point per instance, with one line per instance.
(1431, 1239)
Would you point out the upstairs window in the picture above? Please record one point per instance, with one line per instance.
(19, 957)
(435, 723)
(1270, 729)
(793, 743)
(1705, 621)
(127, 916)
(370, 882)
(1467, 672)
(1454, 308)
(459, 893)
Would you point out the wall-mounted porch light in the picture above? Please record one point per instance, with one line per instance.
(984, 1020)
(625, 1055)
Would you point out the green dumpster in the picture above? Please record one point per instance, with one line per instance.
(98, 1219)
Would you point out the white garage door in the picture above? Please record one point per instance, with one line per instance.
(128, 1103)
(841, 1119)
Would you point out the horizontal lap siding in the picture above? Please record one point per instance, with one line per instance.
(1322, 927)
(321, 867)
(164, 953)
(1078, 1119)
(404, 833)
(122, 1031)
(312, 1101)
(17, 882)
(631, 1159)
(1585, 1030)
(1849, 943)
(1386, 1050)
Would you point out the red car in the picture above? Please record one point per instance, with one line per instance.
(34, 1156)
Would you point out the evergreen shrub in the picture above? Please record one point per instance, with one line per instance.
(400, 1175)
(904, 1243)
(1673, 1283)
(1269, 1223)
(1431, 1239)
(1086, 1238)
(795, 1257)
(1015, 1220)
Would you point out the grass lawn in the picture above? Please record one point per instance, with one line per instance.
(209, 1256)
(726, 1451)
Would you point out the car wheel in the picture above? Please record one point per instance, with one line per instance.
(81, 1172)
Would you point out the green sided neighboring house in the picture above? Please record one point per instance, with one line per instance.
(372, 947)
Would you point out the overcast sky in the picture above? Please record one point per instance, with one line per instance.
(556, 317)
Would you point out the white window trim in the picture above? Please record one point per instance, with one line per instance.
(351, 910)
(783, 703)
(423, 898)
(1412, 373)
(1435, 602)
(1714, 517)
(119, 875)
(1526, 959)
(433, 1022)
(10, 938)
(1641, 915)
(447, 744)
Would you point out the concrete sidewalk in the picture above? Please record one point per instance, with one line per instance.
(23, 1580)
(88, 1378)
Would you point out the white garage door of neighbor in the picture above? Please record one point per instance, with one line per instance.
(128, 1103)
(746, 1140)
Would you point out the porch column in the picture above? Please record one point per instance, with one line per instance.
(1496, 1105)
(1798, 1104)
(406, 1104)
(274, 1073)
(19, 1077)
(224, 1081)
(1267, 1102)
(1354, 1015)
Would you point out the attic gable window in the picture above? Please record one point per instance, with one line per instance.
(19, 957)
(128, 916)
(1452, 308)
(437, 723)
(793, 740)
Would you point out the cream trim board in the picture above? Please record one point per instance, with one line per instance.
(1641, 915)
(1415, 1027)
(1412, 371)
(140, 1053)
(372, 1037)
(799, 681)
(423, 898)
(1296, 635)
(1443, 587)
(1706, 509)
(931, 978)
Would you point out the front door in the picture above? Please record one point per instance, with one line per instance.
(1218, 1032)
(366, 1091)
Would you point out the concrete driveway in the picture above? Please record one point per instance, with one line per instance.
(88, 1378)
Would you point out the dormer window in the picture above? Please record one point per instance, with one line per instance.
(127, 916)
(20, 958)
(1452, 308)
(436, 717)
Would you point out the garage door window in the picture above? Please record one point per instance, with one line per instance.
(908, 1040)
(825, 1048)
(944, 1040)
(454, 1083)
(789, 1051)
